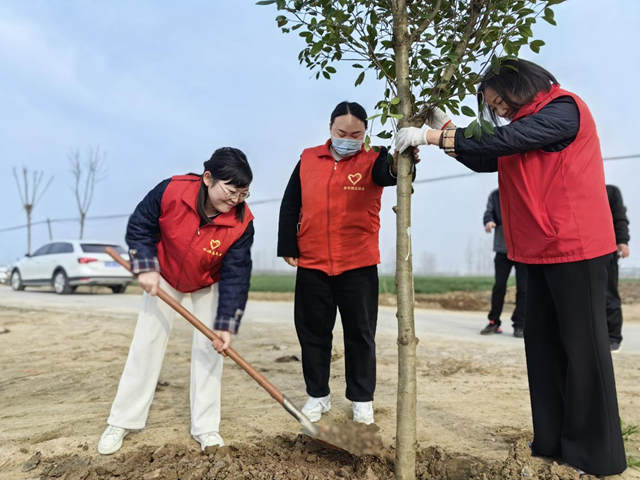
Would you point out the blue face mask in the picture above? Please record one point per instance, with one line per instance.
(346, 147)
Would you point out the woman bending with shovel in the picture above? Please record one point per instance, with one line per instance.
(556, 219)
(191, 234)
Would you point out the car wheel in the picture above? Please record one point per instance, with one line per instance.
(61, 283)
(16, 281)
(118, 288)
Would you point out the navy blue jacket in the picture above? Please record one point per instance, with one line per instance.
(494, 214)
(619, 213)
(143, 235)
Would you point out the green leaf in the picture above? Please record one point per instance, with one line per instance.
(389, 159)
(282, 20)
(330, 69)
(395, 101)
(367, 143)
(316, 49)
(385, 135)
(385, 115)
(375, 149)
(374, 116)
(477, 131)
(549, 16)
(326, 75)
(525, 31)
(468, 111)
(357, 65)
(487, 126)
(266, 2)
(397, 116)
(535, 45)
(360, 79)
(495, 64)
(468, 132)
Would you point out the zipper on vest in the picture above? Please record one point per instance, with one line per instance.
(335, 167)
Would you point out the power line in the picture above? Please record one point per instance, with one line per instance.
(271, 200)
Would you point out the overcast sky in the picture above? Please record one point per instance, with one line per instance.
(161, 84)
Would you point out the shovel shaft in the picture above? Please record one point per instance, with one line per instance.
(207, 332)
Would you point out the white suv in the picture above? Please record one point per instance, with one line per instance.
(65, 265)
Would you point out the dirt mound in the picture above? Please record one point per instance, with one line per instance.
(629, 292)
(290, 458)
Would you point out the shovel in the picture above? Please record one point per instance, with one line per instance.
(355, 438)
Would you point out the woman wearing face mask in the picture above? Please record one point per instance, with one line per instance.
(556, 219)
(329, 222)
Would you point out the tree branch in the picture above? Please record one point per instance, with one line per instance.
(415, 36)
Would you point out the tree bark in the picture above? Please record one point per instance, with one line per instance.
(82, 215)
(406, 438)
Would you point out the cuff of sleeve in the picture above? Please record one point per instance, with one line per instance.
(141, 265)
(229, 324)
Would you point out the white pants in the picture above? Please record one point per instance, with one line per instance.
(140, 377)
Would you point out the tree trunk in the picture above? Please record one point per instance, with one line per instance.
(82, 215)
(28, 231)
(406, 439)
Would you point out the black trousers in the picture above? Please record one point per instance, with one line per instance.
(571, 380)
(317, 298)
(614, 305)
(503, 268)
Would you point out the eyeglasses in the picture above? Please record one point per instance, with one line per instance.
(234, 196)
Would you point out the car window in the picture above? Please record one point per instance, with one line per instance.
(60, 247)
(42, 250)
(99, 248)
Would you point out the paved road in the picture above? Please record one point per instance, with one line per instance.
(443, 324)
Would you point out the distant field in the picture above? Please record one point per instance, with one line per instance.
(286, 283)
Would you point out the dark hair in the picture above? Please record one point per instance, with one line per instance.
(227, 164)
(518, 82)
(349, 108)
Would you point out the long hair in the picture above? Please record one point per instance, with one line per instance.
(230, 165)
(518, 82)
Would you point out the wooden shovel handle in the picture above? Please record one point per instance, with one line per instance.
(207, 332)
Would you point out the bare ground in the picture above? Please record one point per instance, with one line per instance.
(60, 370)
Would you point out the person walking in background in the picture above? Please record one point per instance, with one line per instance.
(614, 306)
(493, 221)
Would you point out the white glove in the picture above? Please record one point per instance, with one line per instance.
(410, 137)
(437, 118)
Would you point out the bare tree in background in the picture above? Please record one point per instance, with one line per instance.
(31, 193)
(87, 173)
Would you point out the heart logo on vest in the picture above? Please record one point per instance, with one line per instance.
(214, 244)
(354, 178)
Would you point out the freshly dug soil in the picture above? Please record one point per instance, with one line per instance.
(288, 457)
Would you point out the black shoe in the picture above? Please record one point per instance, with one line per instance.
(518, 332)
(615, 347)
(492, 328)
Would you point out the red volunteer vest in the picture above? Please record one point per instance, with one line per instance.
(340, 215)
(191, 256)
(554, 204)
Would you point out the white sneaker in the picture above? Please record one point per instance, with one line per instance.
(111, 440)
(315, 407)
(363, 412)
(209, 440)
